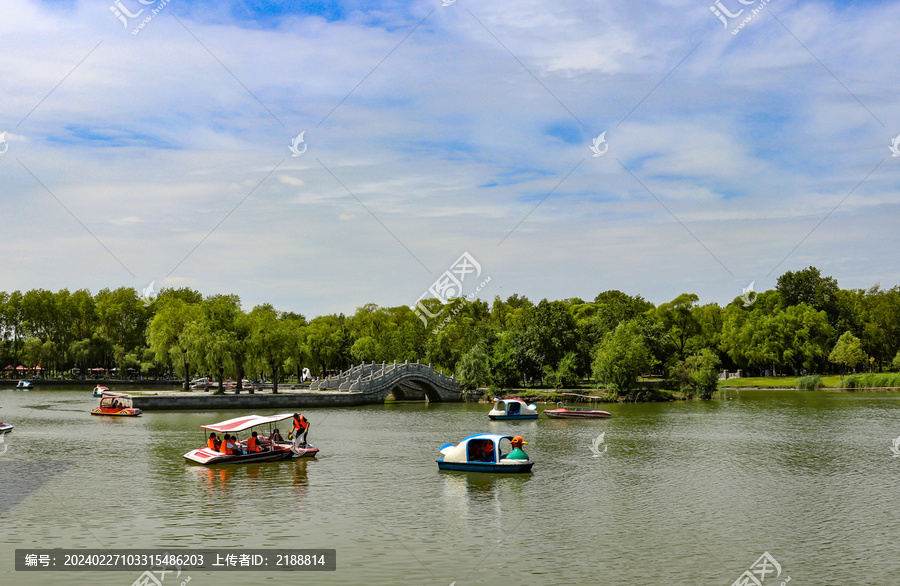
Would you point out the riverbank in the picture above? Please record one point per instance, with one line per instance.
(570, 396)
(10, 383)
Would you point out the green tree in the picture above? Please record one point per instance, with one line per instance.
(167, 333)
(472, 369)
(566, 375)
(272, 339)
(364, 349)
(620, 358)
(697, 375)
(848, 352)
(211, 336)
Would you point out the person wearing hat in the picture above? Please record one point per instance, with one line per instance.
(517, 453)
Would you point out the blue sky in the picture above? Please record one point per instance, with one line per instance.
(164, 155)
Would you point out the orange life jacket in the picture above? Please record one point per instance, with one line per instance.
(211, 443)
(252, 444)
(228, 447)
(300, 425)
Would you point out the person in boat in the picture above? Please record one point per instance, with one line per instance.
(482, 451)
(231, 447)
(253, 444)
(301, 428)
(276, 436)
(115, 404)
(517, 452)
(213, 442)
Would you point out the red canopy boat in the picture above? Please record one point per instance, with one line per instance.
(273, 450)
(562, 412)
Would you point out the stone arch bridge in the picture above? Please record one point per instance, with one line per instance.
(407, 381)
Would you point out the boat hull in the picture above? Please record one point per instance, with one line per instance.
(309, 451)
(511, 417)
(123, 413)
(4, 428)
(209, 457)
(489, 467)
(565, 414)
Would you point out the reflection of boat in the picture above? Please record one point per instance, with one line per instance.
(24, 385)
(273, 450)
(102, 391)
(5, 428)
(117, 405)
(562, 412)
(512, 409)
(482, 452)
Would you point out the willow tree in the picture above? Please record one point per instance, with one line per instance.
(212, 339)
(272, 339)
(167, 334)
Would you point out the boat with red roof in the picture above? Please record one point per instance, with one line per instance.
(117, 405)
(271, 451)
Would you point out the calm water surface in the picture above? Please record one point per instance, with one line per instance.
(686, 493)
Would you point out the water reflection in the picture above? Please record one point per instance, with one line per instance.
(482, 483)
(252, 479)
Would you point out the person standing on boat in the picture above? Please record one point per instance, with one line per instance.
(517, 452)
(301, 428)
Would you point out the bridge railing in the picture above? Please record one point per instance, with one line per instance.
(374, 377)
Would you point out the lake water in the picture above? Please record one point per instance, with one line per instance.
(684, 493)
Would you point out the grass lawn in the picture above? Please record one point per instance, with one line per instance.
(783, 382)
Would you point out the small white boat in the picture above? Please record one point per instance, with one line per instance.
(24, 385)
(5, 428)
(512, 409)
(102, 391)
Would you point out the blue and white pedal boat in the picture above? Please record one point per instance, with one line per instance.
(482, 452)
(512, 409)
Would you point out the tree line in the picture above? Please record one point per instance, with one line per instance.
(806, 324)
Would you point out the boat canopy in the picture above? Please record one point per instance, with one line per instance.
(246, 422)
(118, 400)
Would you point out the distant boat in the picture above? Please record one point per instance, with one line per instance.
(512, 409)
(117, 405)
(562, 412)
(102, 391)
(24, 385)
(5, 428)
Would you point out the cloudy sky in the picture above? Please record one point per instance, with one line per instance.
(162, 153)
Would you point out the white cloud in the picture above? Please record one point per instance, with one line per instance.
(151, 143)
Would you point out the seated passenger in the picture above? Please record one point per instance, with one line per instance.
(481, 451)
(231, 447)
(253, 444)
(213, 442)
(488, 452)
(276, 436)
